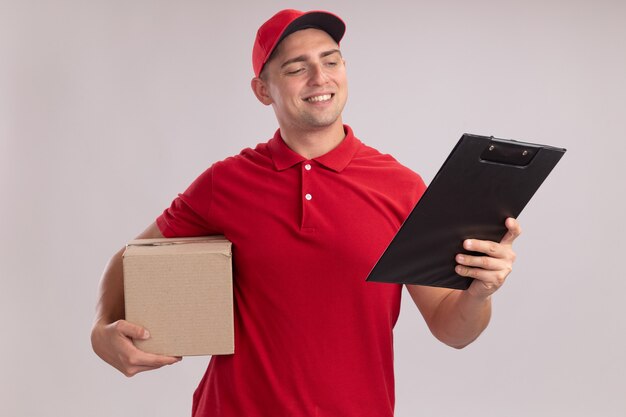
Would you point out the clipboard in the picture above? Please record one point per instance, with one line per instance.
(483, 181)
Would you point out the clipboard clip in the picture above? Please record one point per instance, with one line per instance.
(510, 152)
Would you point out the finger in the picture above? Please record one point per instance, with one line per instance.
(491, 279)
(513, 231)
(131, 330)
(483, 262)
(492, 249)
(137, 357)
(140, 358)
(132, 360)
(134, 370)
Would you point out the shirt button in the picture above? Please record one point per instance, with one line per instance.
(308, 196)
(307, 167)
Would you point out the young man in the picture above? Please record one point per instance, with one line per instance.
(309, 213)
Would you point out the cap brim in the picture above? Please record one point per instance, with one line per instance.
(325, 21)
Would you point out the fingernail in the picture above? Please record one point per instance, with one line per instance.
(146, 334)
(468, 243)
(460, 258)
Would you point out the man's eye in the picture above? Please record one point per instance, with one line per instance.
(294, 71)
(332, 63)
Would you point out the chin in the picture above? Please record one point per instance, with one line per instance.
(322, 121)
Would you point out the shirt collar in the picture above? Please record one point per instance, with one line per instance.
(336, 160)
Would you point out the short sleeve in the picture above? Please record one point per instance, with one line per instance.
(189, 213)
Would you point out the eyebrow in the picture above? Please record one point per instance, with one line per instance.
(302, 58)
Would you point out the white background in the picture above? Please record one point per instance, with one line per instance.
(108, 109)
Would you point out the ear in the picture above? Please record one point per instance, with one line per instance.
(260, 90)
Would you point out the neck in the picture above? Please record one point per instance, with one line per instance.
(313, 143)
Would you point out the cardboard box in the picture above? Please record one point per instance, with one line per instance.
(181, 291)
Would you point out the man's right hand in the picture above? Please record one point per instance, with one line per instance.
(114, 344)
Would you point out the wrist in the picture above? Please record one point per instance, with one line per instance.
(100, 323)
(473, 298)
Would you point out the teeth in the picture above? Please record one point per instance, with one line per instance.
(317, 99)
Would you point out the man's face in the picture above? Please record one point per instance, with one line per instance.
(306, 81)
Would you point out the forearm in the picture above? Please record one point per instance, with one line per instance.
(109, 308)
(110, 305)
(460, 318)
(112, 336)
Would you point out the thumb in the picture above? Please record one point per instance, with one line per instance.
(513, 231)
(132, 330)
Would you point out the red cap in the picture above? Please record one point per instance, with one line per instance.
(286, 22)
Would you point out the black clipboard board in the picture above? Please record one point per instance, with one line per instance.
(483, 181)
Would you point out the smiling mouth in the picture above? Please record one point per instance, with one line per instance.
(320, 98)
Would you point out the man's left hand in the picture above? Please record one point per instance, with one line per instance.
(489, 271)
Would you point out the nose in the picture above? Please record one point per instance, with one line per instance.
(318, 75)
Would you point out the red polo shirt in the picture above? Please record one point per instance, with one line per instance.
(312, 337)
